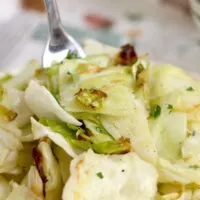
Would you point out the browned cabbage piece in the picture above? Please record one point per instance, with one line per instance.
(48, 169)
(91, 98)
(7, 114)
(37, 156)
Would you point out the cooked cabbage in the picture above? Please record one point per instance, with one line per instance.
(38, 97)
(117, 177)
(112, 125)
(169, 132)
(5, 188)
(135, 126)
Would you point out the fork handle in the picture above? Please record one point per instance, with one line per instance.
(53, 17)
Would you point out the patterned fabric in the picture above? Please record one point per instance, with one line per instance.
(167, 33)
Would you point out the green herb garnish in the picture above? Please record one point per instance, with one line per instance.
(100, 175)
(100, 129)
(140, 69)
(72, 55)
(194, 166)
(190, 89)
(73, 76)
(155, 111)
(170, 107)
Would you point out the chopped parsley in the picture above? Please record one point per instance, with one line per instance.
(100, 129)
(170, 107)
(155, 111)
(100, 175)
(194, 166)
(73, 76)
(140, 69)
(72, 55)
(190, 89)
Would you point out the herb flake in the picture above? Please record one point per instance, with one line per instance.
(194, 166)
(100, 175)
(140, 69)
(170, 107)
(155, 111)
(100, 129)
(190, 89)
(72, 55)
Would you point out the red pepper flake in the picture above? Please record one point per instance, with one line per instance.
(37, 156)
(127, 55)
(97, 21)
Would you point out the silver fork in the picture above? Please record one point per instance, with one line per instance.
(60, 43)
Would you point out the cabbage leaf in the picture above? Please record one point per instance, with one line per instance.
(169, 131)
(43, 104)
(21, 192)
(40, 131)
(5, 188)
(53, 181)
(115, 82)
(135, 127)
(116, 177)
(22, 78)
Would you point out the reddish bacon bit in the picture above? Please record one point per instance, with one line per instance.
(127, 55)
(37, 156)
(97, 21)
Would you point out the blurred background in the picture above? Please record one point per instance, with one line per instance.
(166, 29)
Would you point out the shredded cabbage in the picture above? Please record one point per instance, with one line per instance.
(96, 128)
